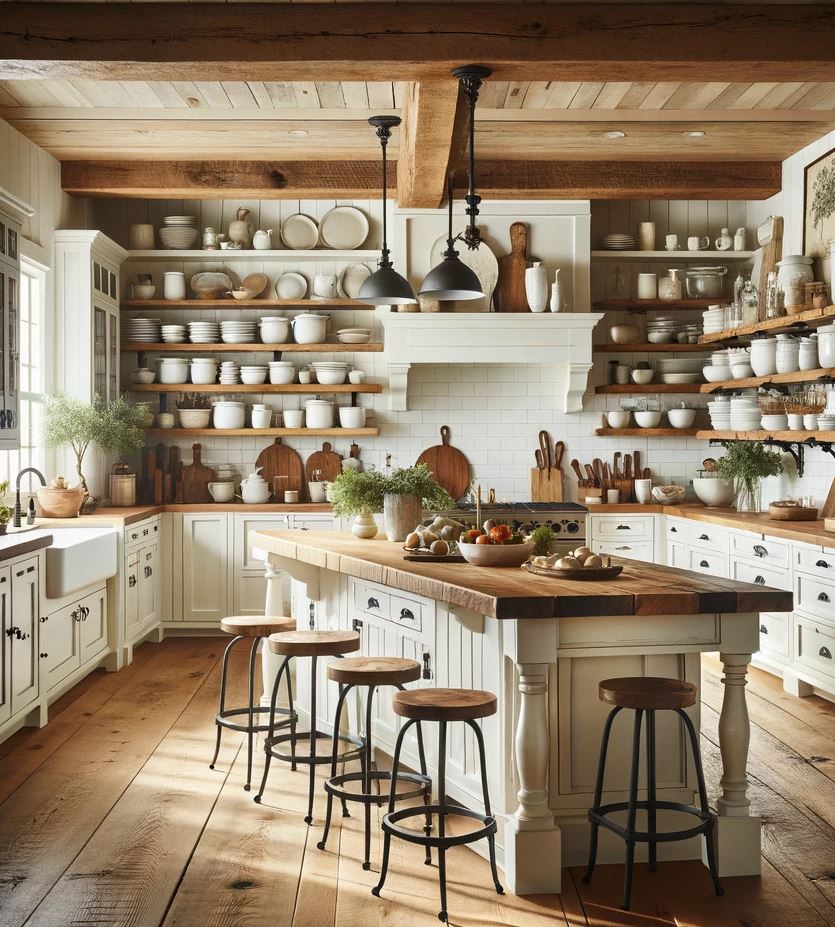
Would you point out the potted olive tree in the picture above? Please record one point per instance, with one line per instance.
(746, 464)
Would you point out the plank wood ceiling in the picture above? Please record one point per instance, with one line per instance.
(79, 116)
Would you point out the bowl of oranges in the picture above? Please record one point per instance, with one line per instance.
(494, 546)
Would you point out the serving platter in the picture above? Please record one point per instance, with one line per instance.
(590, 574)
(299, 232)
(344, 228)
(418, 555)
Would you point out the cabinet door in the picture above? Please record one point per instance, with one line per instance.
(58, 644)
(131, 593)
(93, 625)
(249, 587)
(676, 555)
(148, 585)
(24, 672)
(5, 645)
(205, 566)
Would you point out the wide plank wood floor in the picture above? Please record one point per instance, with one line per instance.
(110, 816)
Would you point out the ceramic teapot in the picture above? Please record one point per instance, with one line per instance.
(262, 241)
(240, 231)
(255, 489)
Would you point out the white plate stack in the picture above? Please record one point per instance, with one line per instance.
(354, 335)
(617, 242)
(720, 413)
(141, 329)
(745, 413)
(201, 332)
(713, 319)
(174, 334)
(230, 373)
(239, 332)
(178, 233)
(681, 370)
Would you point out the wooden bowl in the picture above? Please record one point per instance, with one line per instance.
(60, 503)
(590, 574)
(496, 555)
(781, 511)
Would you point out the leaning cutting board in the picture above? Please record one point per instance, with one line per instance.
(326, 461)
(509, 295)
(196, 478)
(448, 465)
(279, 460)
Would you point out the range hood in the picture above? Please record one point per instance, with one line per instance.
(559, 340)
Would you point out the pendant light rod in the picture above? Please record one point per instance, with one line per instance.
(384, 125)
(450, 241)
(471, 78)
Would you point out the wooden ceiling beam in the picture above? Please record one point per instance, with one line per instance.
(413, 41)
(748, 180)
(431, 142)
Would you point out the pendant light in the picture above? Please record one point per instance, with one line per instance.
(452, 279)
(385, 287)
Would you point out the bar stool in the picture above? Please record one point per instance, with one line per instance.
(648, 694)
(254, 628)
(443, 706)
(313, 644)
(372, 672)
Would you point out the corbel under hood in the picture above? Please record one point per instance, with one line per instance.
(560, 340)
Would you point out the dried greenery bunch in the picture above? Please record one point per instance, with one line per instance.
(362, 492)
(77, 424)
(823, 195)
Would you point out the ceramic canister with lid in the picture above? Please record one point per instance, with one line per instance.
(807, 358)
(310, 328)
(174, 284)
(227, 415)
(318, 413)
(794, 272)
(274, 330)
(764, 356)
(826, 345)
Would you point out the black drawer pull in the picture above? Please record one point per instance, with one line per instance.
(763, 629)
(623, 547)
(825, 652)
(820, 563)
(760, 551)
(406, 614)
(704, 563)
(131, 581)
(759, 580)
(373, 603)
(134, 536)
(44, 619)
(43, 655)
(703, 537)
(823, 597)
(624, 528)
(674, 530)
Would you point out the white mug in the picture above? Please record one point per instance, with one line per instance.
(672, 242)
(694, 243)
(317, 490)
(613, 496)
(324, 285)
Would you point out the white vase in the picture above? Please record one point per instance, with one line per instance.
(556, 293)
(402, 515)
(364, 526)
(536, 287)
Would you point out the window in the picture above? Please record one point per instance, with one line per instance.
(32, 343)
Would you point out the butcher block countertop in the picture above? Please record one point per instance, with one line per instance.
(642, 589)
(14, 545)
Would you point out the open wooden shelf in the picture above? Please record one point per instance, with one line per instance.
(649, 389)
(647, 348)
(132, 305)
(641, 305)
(774, 379)
(233, 255)
(647, 432)
(673, 256)
(809, 318)
(253, 388)
(710, 435)
(257, 432)
(256, 347)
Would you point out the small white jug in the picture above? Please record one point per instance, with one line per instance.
(263, 241)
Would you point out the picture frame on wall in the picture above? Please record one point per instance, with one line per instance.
(819, 213)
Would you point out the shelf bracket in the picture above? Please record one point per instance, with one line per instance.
(142, 359)
(277, 355)
(793, 448)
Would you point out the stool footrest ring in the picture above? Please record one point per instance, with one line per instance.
(319, 760)
(598, 816)
(391, 821)
(224, 719)
(334, 784)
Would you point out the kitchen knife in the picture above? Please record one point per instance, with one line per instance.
(539, 462)
(597, 464)
(575, 466)
(616, 470)
(590, 474)
(559, 453)
(545, 447)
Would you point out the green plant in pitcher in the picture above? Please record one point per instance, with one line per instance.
(745, 464)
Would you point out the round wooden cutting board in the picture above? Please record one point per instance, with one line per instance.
(449, 466)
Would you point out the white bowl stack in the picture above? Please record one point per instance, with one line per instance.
(230, 373)
(745, 413)
(281, 372)
(239, 331)
(141, 329)
(331, 373)
(713, 319)
(178, 233)
(174, 334)
(720, 413)
(681, 370)
(203, 332)
(253, 374)
(662, 330)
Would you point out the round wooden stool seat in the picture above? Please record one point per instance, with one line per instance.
(374, 671)
(256, 625)
(314, 643)
(444, 704)
(649, 693)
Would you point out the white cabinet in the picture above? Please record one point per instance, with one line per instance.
(140, 582)
(205, 567)
(72, 637)
(249, 586)
(5, 644)
(148, 592)
(629, 536)
(24, 673)
(631, 550)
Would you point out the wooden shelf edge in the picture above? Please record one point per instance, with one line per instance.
(673, 256)
(710, 435)
(267, 432)
(310, 388)
(134, 305)
(255, 347)
(640, 305)
(648, 348)
(236, 254)
(647, 432)
(775, 379)
(810, 318)
(649, 389)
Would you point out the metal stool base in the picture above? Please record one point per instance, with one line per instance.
(392, 820)
(319, 760)
(224, 719)
(598, 816)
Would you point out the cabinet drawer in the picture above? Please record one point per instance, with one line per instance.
(815, 596)
(815, 562)
(407, 612)
(755, 546)
(759, 573)
(814, 646)
(611, 527)
(706, 561)
(640, 550)
(774, 633)
(708, 536)
(371, 600)
(141, 532)
(676, 529)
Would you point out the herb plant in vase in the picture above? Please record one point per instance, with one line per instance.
(5, 512)
(745, 464)
(408, 491)
(359, 493)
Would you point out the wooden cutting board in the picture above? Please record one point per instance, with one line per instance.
(196, 478)
(279, 460)
(327, 461)
(509, 295)
(448, 465)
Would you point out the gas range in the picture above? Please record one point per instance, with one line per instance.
(566, 519)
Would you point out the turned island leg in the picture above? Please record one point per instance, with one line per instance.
(737, 832)
(274, 605)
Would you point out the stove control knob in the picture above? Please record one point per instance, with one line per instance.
(573, 527)
(556, 527)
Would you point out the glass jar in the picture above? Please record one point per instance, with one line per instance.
(669, 287)
(734, 315)
(772, 296)
(750, 301)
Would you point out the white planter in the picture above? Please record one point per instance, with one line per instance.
(402, 515)
(364, 527)
(536, 287)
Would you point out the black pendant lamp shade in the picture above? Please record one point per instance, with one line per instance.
(385, 287)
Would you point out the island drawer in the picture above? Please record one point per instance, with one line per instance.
(676, 529)
(774, 633)
(814, 646)
(700, 534)
(759, 573)
(816, 561)
(640, 550)
(706, 561)
(815, 596)
(407, 612)
(613, 527)
(769, 550)
(371, 599)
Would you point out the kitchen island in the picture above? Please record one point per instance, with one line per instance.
(542, 645)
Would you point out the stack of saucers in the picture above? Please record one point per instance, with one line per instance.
(174, 334)
(141, 329)
(720, 413)
(178, 232)
(202, 332)
(230, 373)
(745, 413)
(714, 319)
(662, 330)
(238, 332)
(617, 242)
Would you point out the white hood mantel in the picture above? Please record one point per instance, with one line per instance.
(560, 340)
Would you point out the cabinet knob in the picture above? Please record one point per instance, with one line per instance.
(131, 581)
(760, 551)
(704, 564)
(44, 619)
(763, 629)
(825, 652)
(703, 537)
(759, 580)
(373, 603)
(823, 564)
(43, 655)
(623, 547)
(823, 597)
(406, 614)
(356, 625)
(673, 530)
(624, 528)
(427, 666)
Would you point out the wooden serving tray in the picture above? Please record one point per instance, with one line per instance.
(418, 556)
(791, 513)
(609, 572)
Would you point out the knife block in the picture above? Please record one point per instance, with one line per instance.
(546, 485)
